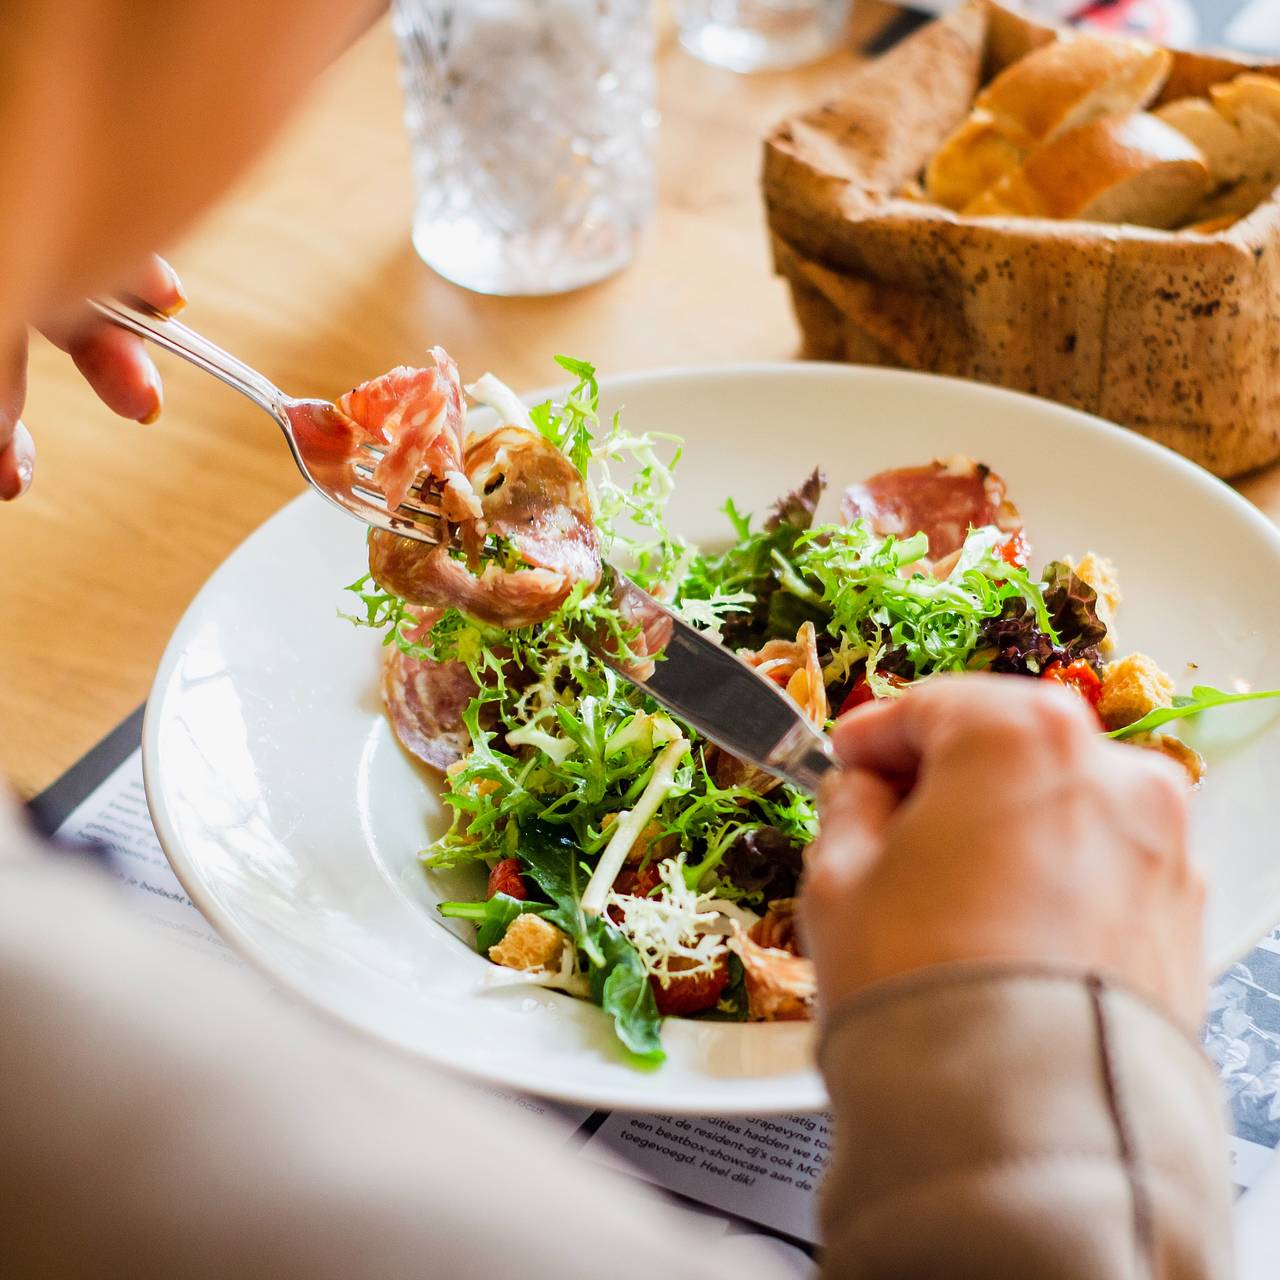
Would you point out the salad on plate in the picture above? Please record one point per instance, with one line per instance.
(625, 859)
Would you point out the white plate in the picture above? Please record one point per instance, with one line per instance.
(292, 817)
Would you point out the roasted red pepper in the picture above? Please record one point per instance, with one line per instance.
(1078, 676)
(506, 878)
(861, 692)
(691, 993)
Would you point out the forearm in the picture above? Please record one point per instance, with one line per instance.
(998, 1122)
(121, 119)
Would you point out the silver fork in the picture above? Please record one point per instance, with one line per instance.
(319, 437)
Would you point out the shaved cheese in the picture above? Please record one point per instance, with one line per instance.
(677, 923)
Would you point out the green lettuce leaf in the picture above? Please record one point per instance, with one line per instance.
(1202, 698)
(621, 987)
(491, 918)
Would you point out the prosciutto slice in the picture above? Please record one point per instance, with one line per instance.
(942, 500)
(531, 496)
(425, 701)
(417, 415)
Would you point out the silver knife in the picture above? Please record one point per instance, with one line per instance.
(710, 688)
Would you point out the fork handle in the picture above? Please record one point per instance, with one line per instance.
(147, 322)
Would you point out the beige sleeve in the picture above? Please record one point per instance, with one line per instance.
(162, 1115)
(997, 1123)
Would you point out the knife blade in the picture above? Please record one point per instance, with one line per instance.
(711, 689)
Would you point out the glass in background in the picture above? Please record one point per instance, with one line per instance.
(532, 126)
(761, 35)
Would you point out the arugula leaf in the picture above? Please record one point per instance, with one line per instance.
(620, 985)
(551, 857)
(491, 918)
(1202, 697)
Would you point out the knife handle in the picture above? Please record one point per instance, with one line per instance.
(804, 757)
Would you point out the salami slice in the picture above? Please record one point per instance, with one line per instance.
(532, 496)
(424, 701)
(942, 500)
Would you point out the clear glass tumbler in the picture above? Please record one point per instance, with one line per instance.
(761, 35)
(532, 126)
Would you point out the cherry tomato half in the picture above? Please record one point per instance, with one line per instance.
(1078, 676)
(861, 692)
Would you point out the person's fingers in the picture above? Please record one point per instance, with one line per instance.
(1152, 807)
(157, 282)
(115, 363)
(876, 737)
(855, 808)
(13, 384)
(968, 713)
(17, 449)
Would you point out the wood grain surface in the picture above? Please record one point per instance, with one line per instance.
(306, 271)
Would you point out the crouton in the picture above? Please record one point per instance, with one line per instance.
(1131, 688)
(529, 943)
(1178, 751)
(1100, 574)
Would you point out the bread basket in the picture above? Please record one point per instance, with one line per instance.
(1174, 334)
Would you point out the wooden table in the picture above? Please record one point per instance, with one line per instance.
(307, 272)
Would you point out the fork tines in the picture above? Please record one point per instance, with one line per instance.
(423, 514)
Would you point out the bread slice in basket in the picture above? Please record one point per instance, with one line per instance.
(1133, 169)
(1071, 82)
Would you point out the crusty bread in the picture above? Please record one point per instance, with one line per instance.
(1214, 226)
(1251, 104)
(1067, 84)
(1219, 140)
(974, 158)
(1248, 95)
(1233, 202)
(1131, 689)
(1239, 133)
(1135, 169)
